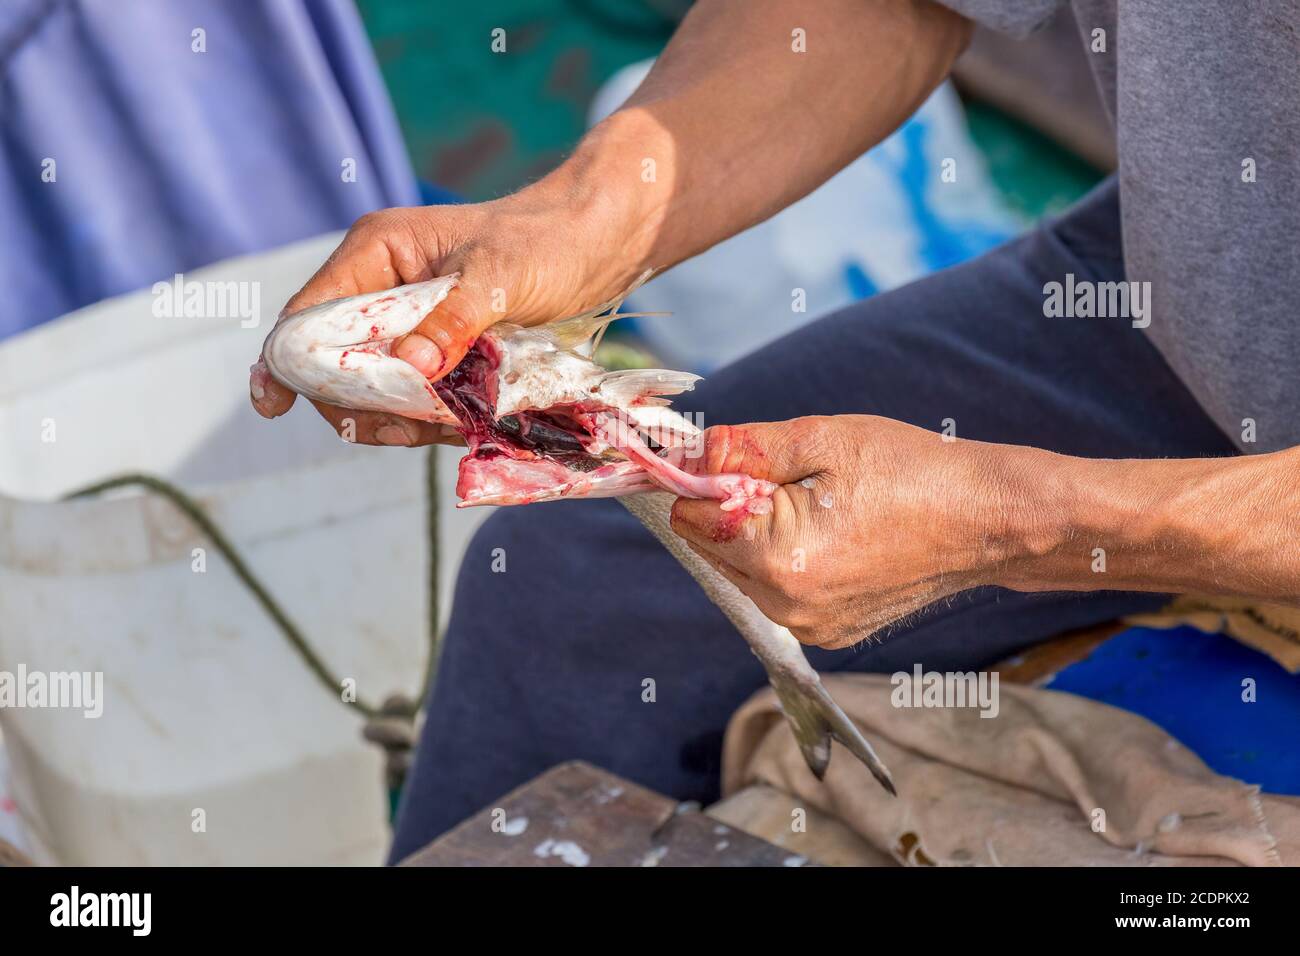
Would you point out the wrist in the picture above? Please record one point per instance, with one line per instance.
(1211, 525)
(1034, 525)
(1092, 524)
(609, 205)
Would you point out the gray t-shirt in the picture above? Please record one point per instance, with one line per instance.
(1202, 94)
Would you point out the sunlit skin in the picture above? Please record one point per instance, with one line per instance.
(724, 118)
(876, 519)
(730, 127)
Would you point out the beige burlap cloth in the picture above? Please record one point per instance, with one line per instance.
(1053, 779)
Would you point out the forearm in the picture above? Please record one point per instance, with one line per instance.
(733, 124)
(1224, 526)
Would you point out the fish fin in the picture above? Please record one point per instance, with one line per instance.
(626, 386)
(574, 331)
(815, 719)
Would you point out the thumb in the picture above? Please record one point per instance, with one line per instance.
(780, 452)
(440, 341)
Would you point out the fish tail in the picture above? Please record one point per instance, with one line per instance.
(816, 720)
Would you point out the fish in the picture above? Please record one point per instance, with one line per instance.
(542, 421)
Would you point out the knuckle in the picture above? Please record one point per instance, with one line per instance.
(716, 441)
(725, 448)
(809, 438)
(457, 321)
(457, 317)
(368, 224)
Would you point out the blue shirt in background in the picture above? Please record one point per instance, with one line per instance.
(133, 146)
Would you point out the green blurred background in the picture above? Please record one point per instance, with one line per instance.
(482, 123)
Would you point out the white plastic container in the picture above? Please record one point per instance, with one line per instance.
(206, 707)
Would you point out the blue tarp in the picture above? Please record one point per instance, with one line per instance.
(1193, 684)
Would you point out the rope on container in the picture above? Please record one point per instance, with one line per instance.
(391, 724)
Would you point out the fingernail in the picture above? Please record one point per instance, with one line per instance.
(257, 375)
(420, 351)
(393, 435)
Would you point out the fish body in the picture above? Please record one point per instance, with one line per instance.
(542, 421)
(812, 714)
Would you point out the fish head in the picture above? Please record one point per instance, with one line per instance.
(341, 352)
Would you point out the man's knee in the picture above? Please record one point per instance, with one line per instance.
(519, 550)
(529, 575)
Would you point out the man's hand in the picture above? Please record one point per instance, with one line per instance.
(520, 258)
(876, 519)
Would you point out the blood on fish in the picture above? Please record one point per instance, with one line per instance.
(563, 451)
(469, 391)
(538, 450)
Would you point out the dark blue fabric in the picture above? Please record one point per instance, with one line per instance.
(168, 159)
(1191, 684)
(545, 662)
